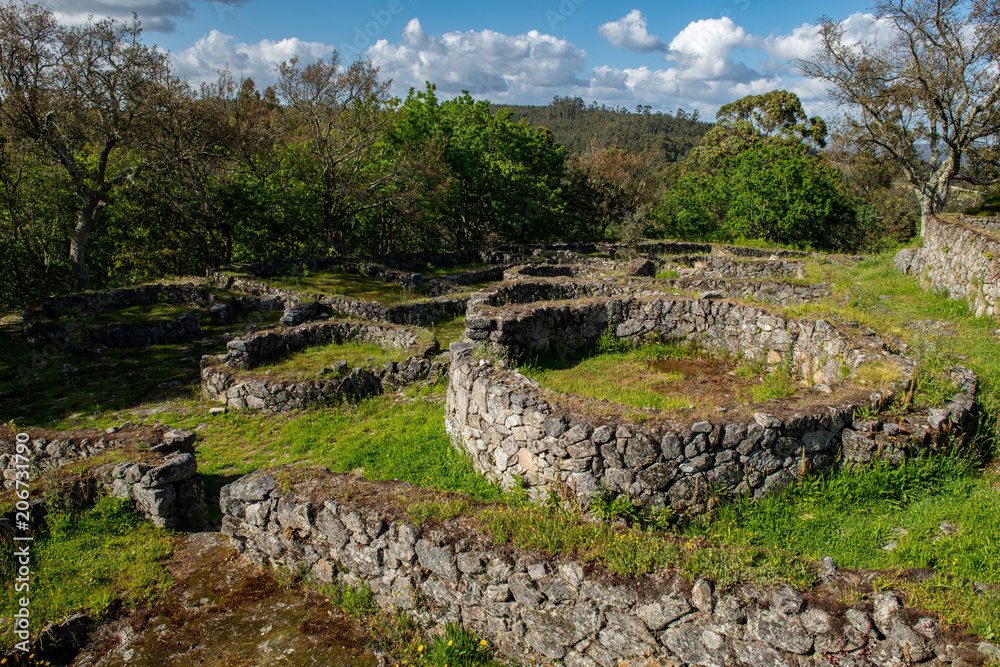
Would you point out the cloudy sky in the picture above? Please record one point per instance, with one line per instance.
(669, 55)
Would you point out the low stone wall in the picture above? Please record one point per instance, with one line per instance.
(183, 327)
(113, 299)
(744, 251)
(813, 348)
(492, 274)
(281, 395)
(770, 292)
(162, 481)
(239, 391)
(519, 435)
(415, 314)
(557, 271)
(963, 262)
(728, 269)
(530, 291)
(265, 346)
(535, 609)
(990, 223)
(42, 327)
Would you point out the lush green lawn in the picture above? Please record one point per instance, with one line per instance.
(86, 560)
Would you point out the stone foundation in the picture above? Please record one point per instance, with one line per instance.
(962, 262)
(162, 481)
(535, 609)
(519, 435)
(220, 380)
(812, 348)
(525, 290)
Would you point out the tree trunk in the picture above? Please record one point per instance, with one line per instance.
(86, 217)
(931, 203)
(332, 229)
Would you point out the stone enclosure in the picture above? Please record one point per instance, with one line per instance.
(519, 434)
(962, 259)
(222, 380)
(536, 609)
(160, 478)
(41, 318)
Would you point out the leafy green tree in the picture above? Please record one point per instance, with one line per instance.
(778, 195)
(755, 175)
(503, 176)
(774, 118)
(97, 102)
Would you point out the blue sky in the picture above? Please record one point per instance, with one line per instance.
(694, 55)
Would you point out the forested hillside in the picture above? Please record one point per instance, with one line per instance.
(576, 125)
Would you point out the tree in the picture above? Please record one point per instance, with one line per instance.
(619, 184)
(774, 118)
(94, 100)
(503, 176)
(342, 114)
(926, 98)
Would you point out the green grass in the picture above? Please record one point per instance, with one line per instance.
(88, 560)
(339, 283)
(621, 374)
(851, 516)
(308, 362)
(630, 552)
(449, 331)
(384, 437)
(667, 273)
(778, 384)
(398, 637)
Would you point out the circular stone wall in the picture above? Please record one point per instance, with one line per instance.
(519, 434)
(225, 378)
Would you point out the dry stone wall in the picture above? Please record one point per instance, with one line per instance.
(416, 314)
(963, 262)
(538, 610)
(237, 390)
(42, 326)
(95, 302)
(518, 435)
(529, 291)
(728, 269)
(990, 223)
(162, 482)
(813, 348)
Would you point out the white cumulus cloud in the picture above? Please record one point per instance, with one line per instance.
(703, 49)
(486, 63)
(629, 32)
(215, 51)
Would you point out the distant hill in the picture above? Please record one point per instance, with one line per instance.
(575, 125)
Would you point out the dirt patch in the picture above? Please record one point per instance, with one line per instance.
(706, 378)
(224, 611)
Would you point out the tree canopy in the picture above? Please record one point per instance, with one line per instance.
(923, 93)
(94, 100)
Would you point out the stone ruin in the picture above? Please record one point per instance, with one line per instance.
(224, 378)
(519, 434)
(160, 475)
(41, 318)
